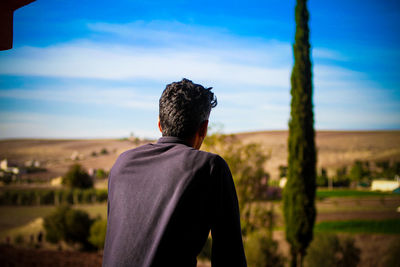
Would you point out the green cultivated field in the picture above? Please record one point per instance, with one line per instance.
(325, 193)
(371, 212)
(367, 207)
(389, 226)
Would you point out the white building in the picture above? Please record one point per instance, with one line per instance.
(385, 185)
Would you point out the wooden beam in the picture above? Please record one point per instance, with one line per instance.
(7, 8)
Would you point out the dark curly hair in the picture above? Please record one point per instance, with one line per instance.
(184, 106)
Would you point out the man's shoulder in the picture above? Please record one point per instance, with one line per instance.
(215, 158)
(175, 153)
(136, 149)
(132, 153)
(214, 161)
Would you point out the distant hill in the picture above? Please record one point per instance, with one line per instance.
(335, 149)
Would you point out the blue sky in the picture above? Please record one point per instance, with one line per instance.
(83, 70)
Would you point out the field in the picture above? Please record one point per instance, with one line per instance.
(372, 220)
(335, 149)
(370, 217)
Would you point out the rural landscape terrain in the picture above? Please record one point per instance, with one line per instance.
(370, 218)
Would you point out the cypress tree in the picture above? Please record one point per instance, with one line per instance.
(299, 193)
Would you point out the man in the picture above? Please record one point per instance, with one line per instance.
(164, 198)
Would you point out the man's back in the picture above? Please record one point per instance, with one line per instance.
(163, 200)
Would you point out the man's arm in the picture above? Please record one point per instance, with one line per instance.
(227, 244)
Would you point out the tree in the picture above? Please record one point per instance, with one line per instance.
(246, 162)
(359, 171)
(101, 174)
(98, 233)
(322, 178)
(299, 193)
(387, 170)
(341, 178)
(77, 177)
(69, 225)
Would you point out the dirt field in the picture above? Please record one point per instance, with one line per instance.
(335, 149)
(21, 257)
(56, 155)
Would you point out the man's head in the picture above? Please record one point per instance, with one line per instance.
(184, 107)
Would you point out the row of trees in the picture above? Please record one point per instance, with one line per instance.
(360, 173)
(363, 171)
(56, 197)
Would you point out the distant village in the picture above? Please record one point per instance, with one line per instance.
(11, 173)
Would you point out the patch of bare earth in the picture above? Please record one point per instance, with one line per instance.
(22, 257)
(335, 148)
(374, 247)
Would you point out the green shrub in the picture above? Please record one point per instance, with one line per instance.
(87, 196)
(69, 225)
(101, 174)
(77, 177)
(54, 224)
(78, 225)
(67, 197)
(98, 233)
(328, 250)
(77, 195)
(322, 178)
(262, 251)
(101, 195)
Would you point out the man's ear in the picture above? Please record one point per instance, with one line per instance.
(159, 125)
(203, 129)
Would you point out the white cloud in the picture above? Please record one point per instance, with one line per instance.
(160, 52)
(116, 97)
(250, 76)
(127, 62)
(39, 125)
